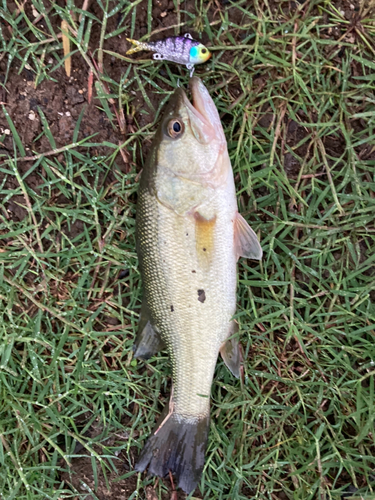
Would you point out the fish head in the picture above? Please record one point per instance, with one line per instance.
(191, 140)
(199, 54)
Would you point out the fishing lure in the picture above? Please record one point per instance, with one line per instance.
(179, 49)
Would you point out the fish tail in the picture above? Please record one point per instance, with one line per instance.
(178, 444)
(138, 46)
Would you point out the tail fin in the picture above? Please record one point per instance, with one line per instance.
(138, 46)
(178, 445)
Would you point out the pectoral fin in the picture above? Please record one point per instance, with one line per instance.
(231, 354)
(148, 341)
(246, 243)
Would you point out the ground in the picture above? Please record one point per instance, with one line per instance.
(294, 85)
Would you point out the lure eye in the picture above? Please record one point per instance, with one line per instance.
(204, 51)
(175, 128)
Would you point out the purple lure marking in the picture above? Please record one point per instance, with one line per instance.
(175, 49)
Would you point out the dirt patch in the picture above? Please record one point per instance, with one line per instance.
(61, 104)
(80, 475)
(51, 109)
(81, 478)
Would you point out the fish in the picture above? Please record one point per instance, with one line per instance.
(179, 49)
(189, 237)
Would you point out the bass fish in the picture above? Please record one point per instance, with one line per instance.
(189, 237)
(178, 49)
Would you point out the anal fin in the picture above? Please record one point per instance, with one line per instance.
(148, 341)
(231, 353)
(246, 243)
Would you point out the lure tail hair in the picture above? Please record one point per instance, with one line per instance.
(138, 46)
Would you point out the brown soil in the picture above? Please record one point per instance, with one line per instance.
(80, 475)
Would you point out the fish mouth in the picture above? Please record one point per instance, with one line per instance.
(203, 113)
(202, 102)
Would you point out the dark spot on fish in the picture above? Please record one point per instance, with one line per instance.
(193, 271)
(201, 296)
(204, 249)
(187, 234)
(172, 309)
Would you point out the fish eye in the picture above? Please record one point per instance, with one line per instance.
(175, 128)
(204, 50)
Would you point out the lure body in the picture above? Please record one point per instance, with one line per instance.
(178, 49)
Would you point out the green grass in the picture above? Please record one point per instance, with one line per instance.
(296, 90)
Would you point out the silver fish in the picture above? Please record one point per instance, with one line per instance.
(189, 238)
